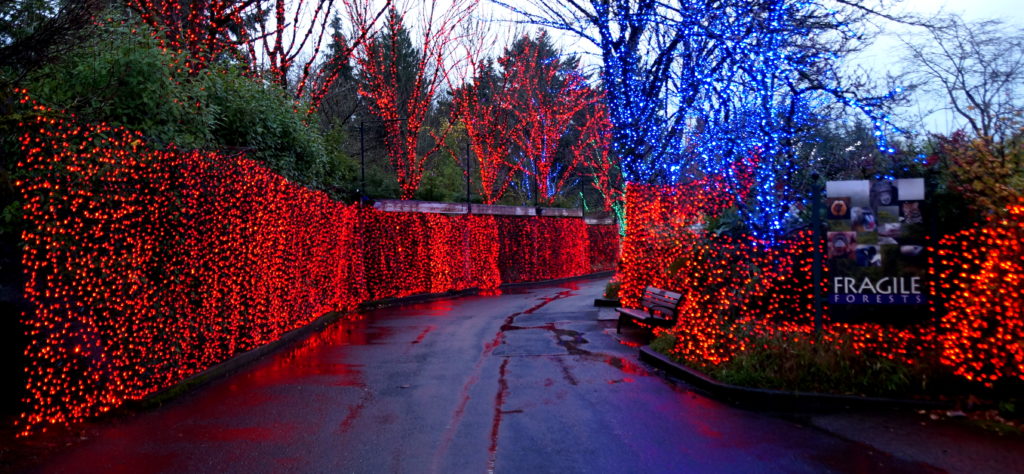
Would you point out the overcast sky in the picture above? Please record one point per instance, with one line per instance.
(885, 54)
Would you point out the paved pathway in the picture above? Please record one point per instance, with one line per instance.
(525, 382)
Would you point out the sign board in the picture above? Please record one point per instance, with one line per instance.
(596, 221)
(875, 244)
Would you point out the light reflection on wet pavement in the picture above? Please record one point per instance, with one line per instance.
(523, 381)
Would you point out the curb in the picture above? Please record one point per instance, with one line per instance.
(607, 303)
(777, 399)
(234, 363)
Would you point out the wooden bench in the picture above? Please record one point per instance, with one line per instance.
(659, 308)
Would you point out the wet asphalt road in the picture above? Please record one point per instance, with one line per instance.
(525, 382)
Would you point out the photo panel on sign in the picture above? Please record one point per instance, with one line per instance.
(868, 256)
(841, 244)
(858, 190)
(910, 189)
(910, 212)
(863, 219)
(838, 208)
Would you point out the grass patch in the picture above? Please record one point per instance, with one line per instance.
(807, 363)
(663, 344)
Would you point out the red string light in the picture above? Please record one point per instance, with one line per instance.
(592, 149)
(980, 271)
(401, 102)
(283, 38)
(147, 266)
(736, 289)
(203, 29)
(544, 101)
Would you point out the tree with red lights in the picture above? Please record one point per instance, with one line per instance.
(402, 101)
(545, 96)
(283, 30)
(285, 38)
(289, 38)
(592, 150)
(202, 29)
(35, 32)
(479, 104)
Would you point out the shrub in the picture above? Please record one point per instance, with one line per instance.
(810, 363)
(122, 77)
(611, 290)
(258, 116)
(988, 176)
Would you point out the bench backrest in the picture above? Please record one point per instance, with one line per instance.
(661, 301)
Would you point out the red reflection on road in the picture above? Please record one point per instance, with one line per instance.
(626, 366)
(427, 308)
(423, 334)
(499, 404)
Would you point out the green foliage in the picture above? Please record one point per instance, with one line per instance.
(381, 180)
(394, 61)
(260, 117)
(121, 76)
(33, 32)
(664, 344)
(611, 290)
(444, 177)
(809, 363)
(125, 79)
(806, 363)
(18, 19)
(443, 180)
(10, 220)
(729, 222)
(987, 176)
(342, 169)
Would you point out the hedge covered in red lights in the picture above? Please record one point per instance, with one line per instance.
(738, 289)
(981, 271)
(147, 266)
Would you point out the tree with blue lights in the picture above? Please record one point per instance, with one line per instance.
(694, 87)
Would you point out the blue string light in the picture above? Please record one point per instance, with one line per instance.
(695, 87)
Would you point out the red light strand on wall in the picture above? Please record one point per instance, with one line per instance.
(147, 266)
(736, 289)
(980, 273)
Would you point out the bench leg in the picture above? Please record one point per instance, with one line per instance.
(618, 326)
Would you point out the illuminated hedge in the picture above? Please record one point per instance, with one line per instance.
(604, 246)
(734, 289)
(981, 271)
(543, 250)
(661, 228)
(145, 267)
